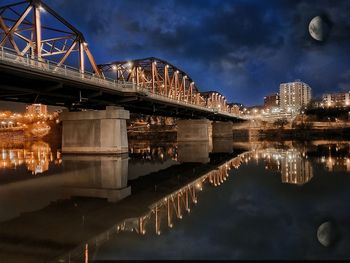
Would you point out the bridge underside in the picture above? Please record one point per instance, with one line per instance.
(32, 87)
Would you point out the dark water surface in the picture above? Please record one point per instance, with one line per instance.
(176, 201)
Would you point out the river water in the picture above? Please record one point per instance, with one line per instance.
(223, 200)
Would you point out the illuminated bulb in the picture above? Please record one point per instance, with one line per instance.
(114, 67)
(41, 8)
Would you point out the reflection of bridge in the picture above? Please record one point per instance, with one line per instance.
(70, 221)
(37, 44)
(77, 221)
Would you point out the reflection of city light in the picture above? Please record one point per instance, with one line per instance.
(37, 158)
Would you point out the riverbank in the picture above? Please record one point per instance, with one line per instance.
(280, 134)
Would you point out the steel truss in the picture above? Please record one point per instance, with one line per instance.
(163, 78)
(21, 29)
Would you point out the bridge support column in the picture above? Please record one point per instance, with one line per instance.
(194, 138)
(95, 132)
(222, 130)
(193, 130)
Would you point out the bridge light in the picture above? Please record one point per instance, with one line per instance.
(85, 44)
(192, 83)
(129, 64)
(185, 77)
(155, 62)
(41, 8)
(114, 67)
(177, 72)
(167, 66)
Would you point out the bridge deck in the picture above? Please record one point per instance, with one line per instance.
(24, 79)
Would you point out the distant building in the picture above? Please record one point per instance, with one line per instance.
(272, 101)
(235, 108)
(294, 95)
(316, 103)
(37, 109)
(254, 110)
(336, 99)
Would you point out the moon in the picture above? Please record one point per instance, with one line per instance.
(326, 234)
(318, 28)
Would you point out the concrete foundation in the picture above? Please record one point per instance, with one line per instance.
(222, 129)
(95, 132)
(193, 130)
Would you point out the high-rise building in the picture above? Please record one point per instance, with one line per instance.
(294, 95)
(336, 99)
(37, 109)
(272, 101)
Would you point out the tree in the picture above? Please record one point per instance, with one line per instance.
(280, 123)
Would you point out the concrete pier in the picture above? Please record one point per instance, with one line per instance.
(222, 129)
(95, 132)
(193, 130)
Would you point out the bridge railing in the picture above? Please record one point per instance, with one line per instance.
(52, 67)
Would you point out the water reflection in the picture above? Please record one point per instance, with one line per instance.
(293, 165)
(100, 176)
(193, 152)
(296, 162)
(148, 150)
(174, 206)
(36, 157)
(147, 192)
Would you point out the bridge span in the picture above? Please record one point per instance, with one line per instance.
(51, 63)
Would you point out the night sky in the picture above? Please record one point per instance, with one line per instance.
(242, 48)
